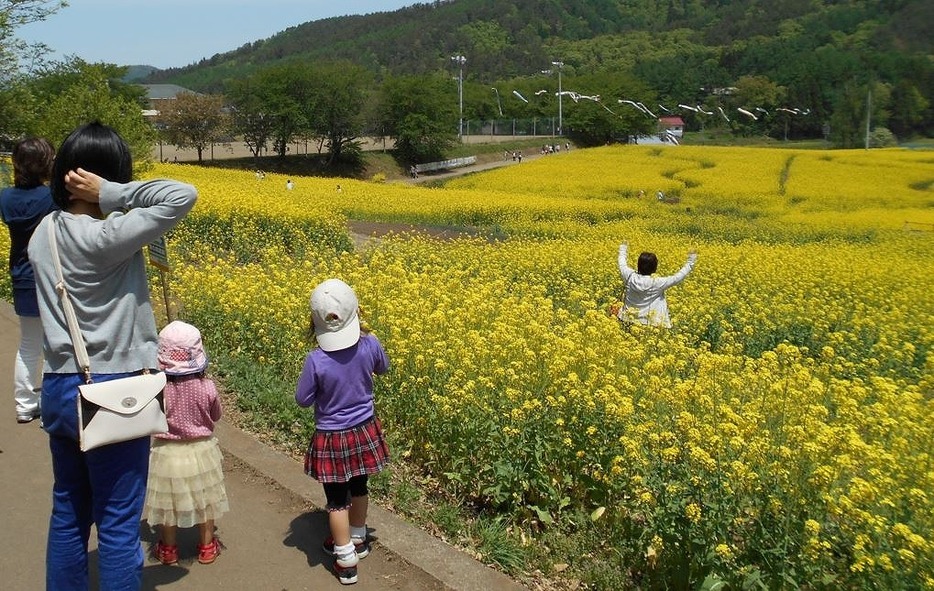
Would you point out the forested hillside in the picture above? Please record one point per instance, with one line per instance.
(824, 56)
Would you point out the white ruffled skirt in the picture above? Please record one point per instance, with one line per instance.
(186, 483)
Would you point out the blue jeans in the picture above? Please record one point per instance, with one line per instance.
(105, 486)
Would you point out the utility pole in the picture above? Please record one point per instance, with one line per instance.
(559, 65)
(460, 60)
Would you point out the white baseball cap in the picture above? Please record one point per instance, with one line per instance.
(334, 314)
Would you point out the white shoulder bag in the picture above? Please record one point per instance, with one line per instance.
(115, 410)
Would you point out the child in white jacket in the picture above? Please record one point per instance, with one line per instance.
(645, 301)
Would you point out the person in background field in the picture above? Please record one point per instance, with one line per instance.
(347, 445)
(645, 301)
(23, 206)
(186, 476)
(289, 185)
(105, 222)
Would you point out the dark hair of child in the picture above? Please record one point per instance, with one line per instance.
(32, 162)
(648, 263)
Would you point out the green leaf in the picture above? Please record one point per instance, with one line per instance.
(713, 583)
(543, 516)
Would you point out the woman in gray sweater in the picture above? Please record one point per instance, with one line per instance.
(105, 222)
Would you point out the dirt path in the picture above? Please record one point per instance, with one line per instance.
(492, 162)
(365, 231)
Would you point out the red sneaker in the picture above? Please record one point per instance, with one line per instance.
(166, 554)
(208, 553)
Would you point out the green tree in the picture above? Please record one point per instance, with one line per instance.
(849, 122)
(908, 109)
(287, 92)
(761, 97)
(252, 117)
(15, 14)
(419, 114)
(15, 100)
(598, 117)
(323, 102)
(16, 104)
(74, 93)
(195, 121)
(339, 93)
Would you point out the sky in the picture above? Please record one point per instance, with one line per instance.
(176, 33)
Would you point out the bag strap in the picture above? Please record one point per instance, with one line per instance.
(77, 339)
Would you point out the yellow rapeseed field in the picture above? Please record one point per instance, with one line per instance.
(781, 433)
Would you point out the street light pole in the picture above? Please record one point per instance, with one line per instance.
(460, 60)
(559, 65)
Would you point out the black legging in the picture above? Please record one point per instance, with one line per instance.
(339, 494)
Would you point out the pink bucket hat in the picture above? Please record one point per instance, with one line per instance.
(181, 352)
(334, 314)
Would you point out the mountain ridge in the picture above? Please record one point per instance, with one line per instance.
(504, 40)
(818, 53)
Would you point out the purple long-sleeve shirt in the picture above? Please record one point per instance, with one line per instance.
(339, 384)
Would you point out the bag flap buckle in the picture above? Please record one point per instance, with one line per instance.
(125, 395)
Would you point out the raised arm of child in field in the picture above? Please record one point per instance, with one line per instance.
(623, 263)
(664, 283)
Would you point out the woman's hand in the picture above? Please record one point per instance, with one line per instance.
(83, 185)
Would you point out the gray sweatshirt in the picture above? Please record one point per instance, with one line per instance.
(105, 273)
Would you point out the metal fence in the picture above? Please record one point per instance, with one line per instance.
(446, 164)
(536, 126)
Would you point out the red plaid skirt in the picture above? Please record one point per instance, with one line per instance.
(338, 456)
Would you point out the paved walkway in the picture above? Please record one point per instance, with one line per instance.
(272, 535)
(444, 175)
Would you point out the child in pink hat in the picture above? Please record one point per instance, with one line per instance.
(186, 478)
(348, 445)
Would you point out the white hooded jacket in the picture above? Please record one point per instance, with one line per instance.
(645, 295)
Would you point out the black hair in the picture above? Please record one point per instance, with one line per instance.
(32, 162)
(96, 148)
(648, 263)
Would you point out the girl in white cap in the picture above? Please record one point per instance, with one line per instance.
(348, 444)
(186, 478)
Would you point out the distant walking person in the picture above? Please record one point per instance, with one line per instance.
(413, 170)
(23, 206)
(645, 301)
(289, 185)
(186, 476)
(347, 445)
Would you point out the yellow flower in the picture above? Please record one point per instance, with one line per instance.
(693, 512)
(724, 551)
